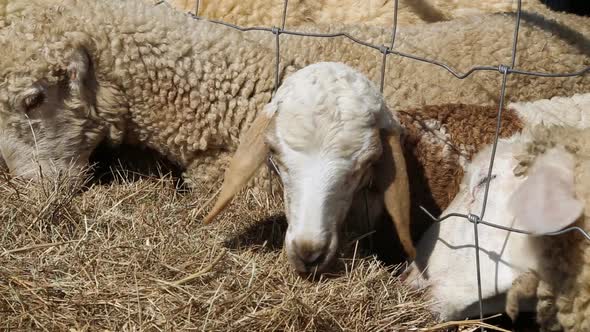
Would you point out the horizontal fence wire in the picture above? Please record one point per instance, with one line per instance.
(504, 70)
(472, 218)
(383, 48)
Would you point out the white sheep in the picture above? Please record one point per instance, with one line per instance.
(550, 192)
(445, 261)
(329, 132)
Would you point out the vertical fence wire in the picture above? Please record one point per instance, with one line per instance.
(387, 50)
(476, 219)
(394, 31)
(277, 32)
(505, 71)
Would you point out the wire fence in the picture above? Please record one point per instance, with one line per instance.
(386, 50)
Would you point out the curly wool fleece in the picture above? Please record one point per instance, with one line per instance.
(188, 88)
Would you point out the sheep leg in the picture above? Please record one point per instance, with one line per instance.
(547, 309)
(523, 287)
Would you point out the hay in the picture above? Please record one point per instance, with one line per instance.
(129, 255)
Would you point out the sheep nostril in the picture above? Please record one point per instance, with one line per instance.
(309, 253)
(316, 262)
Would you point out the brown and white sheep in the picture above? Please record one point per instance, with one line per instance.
(504, 256)
(548, 191)
(336, 147)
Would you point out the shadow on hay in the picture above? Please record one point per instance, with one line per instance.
(267, 234)
(131, 163)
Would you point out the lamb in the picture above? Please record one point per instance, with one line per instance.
(440, 140)
(548, 191)
(334, 141)
(551, 193)
(189, 89)
(504, 256)
(374, 12)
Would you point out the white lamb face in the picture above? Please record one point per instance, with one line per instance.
(321, 164)
(44, 125)
(329, 132)
(445, 260)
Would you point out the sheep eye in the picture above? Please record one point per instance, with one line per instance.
(33, 101)
(484, 180)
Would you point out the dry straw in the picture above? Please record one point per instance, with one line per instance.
(128, 256)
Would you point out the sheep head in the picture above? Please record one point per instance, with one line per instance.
(330, 134)
(539, 198)
(48, 122)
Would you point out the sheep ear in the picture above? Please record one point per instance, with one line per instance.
(545, 202)
(392, 181)
(78, 67)
(250, 154)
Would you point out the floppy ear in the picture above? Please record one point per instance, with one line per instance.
(391, 179)
(78, 66)
(79, 63)
(545, 202)
(248, 157)
(81, 78)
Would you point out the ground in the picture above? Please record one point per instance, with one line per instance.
(129, 252)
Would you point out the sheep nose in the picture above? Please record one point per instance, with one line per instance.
(311, 253)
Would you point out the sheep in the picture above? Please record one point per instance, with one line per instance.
(439, 140)
(83, 81)
(546, 192)
(550, 192)
(334, 141)
(301, 12)
(437, 146)
(129, 72)
(484, 46)
(503, 255)
(373, 12)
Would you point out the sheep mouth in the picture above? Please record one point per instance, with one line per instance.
(323, 262)
(328, 268)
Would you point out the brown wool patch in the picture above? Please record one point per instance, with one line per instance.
(460, 130)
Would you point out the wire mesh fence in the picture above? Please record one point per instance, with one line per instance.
(504, 70)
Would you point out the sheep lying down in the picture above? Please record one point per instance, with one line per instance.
(124, 71)
(331, 135)
(371, 12)
(437, 148)
(539, 184)
(127, 72)
(553, 192)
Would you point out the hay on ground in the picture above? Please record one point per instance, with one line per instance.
(132, 255)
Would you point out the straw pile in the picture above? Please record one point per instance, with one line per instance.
(132, 255)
